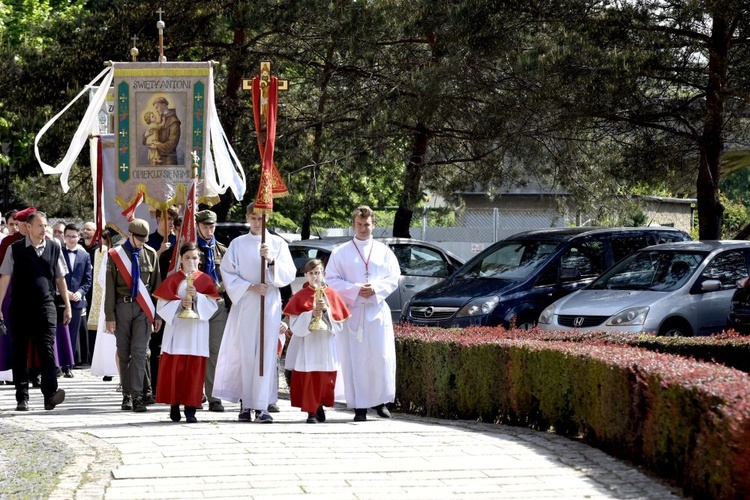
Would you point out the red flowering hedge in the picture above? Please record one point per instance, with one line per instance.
(686, 420)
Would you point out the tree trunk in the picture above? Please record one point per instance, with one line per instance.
(412, 177)
(710, 210)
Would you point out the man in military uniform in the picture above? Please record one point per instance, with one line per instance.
(132, 276)
(211, 254)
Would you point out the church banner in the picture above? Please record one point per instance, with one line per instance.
(160, 120)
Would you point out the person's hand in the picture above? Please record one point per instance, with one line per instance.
(261, 288)
(156, 325)
(319, 307)
(191, 291)
(74, 297)
(110, 326)
(67, 315)
(165, 246)
(366, 291)
(264, 252)
(283, 327)
(187, 303)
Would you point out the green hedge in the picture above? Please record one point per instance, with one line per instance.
(687, 421)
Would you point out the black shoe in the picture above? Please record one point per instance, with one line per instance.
(246, 415)
(383, 411)
(190, 415)
(57, 398)
(107, 378)
(360, 414)
(311, 418)
(148, 399)
(58, 372)
(22, 406)
(215, 406)
(320, 414)
(273, 408)
(174, 413)
(127, 402)
(67, 373)
(139, 406)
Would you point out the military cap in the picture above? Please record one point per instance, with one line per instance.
(139, 227)
(22, 215)
(205, 217)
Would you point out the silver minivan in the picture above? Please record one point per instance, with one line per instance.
(682, 288)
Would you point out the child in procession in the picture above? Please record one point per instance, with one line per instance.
(315, 319)
(182, 367)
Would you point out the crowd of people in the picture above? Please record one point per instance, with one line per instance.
(210, 330)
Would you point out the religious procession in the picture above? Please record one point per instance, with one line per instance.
(144, 296)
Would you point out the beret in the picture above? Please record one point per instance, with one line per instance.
(22, 215)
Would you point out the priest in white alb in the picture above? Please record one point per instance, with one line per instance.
(364, 272)
(238, 365)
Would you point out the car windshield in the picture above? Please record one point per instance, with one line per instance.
(512, 260)
(656, 270)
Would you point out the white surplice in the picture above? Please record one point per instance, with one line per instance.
(312, 351)
(104, 359)
(366, 346)
(181, 335)
(238, 364)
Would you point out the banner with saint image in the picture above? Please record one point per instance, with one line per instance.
(159, 122)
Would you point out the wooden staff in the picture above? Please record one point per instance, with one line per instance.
(262, 297)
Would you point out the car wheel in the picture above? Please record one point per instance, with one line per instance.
(675, 328)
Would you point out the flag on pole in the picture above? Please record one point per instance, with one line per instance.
(187, 231)
(129, 213)
(271, 184)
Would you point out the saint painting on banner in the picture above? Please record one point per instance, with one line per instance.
(161, 129)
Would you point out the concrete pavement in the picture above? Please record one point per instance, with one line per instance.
(126, 455)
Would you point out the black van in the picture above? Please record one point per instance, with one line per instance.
(513, 280)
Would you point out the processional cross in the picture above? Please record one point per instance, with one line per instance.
(264, 82)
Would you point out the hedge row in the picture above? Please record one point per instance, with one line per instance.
(686, 420)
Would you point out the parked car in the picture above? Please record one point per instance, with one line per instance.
(673, 289)
(739, 310)
(513, 280)
(422, 264)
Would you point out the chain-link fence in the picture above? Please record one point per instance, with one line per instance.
(466, 232)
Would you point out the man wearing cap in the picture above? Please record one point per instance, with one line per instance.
(132, 276)
(33, 267)
(210, 263)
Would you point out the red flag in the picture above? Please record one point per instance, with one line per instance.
(129, 213)
(187, 231)
(271, 184)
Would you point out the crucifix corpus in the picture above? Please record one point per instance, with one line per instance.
(265, 88)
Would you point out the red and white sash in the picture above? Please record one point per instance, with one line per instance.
(122, 261)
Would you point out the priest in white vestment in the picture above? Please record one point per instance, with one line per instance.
(364, 272)
(238, 365)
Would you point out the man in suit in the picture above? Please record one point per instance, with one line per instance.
(79, 280)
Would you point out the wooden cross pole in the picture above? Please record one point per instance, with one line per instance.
(265, 80)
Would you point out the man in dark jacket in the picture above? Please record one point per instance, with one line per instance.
(33, 267)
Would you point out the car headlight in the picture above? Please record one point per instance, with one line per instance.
(627, 317)
(546, 317)
(482, 305)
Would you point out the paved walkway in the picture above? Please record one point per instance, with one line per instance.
(126, 455)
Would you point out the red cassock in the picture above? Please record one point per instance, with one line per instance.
(315, 359)
(181, 376)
